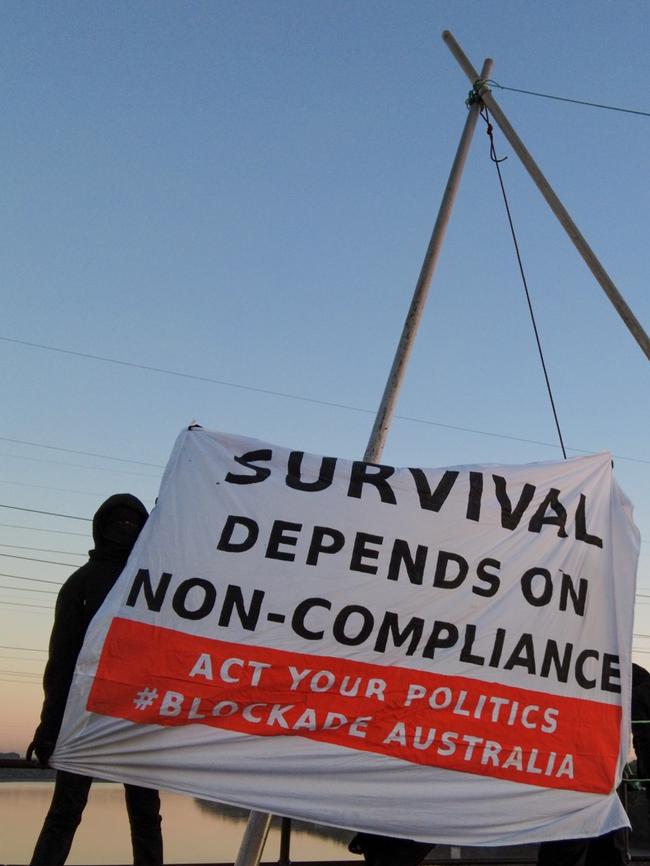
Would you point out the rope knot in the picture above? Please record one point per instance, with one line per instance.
(490, 133)
(478, 88)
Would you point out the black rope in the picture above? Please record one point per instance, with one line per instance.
(496, 161)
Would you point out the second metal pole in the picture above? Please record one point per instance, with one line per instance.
(254, 839)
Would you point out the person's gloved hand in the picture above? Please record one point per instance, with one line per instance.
(42, 748)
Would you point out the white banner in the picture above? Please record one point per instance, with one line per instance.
(438, 654)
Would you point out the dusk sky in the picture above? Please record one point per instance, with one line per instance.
(217, 211)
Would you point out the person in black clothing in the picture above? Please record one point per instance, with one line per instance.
(641, 723)
(606, 850)
(389, 850)
(116, 526)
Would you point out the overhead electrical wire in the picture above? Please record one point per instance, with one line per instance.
(25, 604)
(50, 513)
(40, 529)
(70, 517)
(639, 595)
(34, 559)
(27, 649)
(567, 99)
(84, 453)
(21, 659)
(81, 466)
(50, 487)
(269, 392)
(42, 549)
(34, 579)
(27, 589)
(21, 673)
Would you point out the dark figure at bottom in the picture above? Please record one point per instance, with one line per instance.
(641, 726)
(607, 850)
(388, 850)
(116, 526)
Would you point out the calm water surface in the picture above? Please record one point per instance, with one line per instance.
(191, 832)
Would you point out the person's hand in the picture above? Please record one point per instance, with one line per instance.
(42, 749)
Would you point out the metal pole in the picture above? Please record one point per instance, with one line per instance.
(252, 845)
(285, 842)
(633, 324)
(254, 839)
(388, 401)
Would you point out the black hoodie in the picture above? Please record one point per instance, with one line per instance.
(78, 601)
(641, 714)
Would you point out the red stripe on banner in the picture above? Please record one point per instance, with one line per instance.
(152, 675)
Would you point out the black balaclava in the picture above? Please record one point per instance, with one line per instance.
(122, 526)
(117, 524)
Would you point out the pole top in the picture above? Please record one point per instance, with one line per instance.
(462, 59)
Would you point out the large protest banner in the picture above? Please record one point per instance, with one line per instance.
(441, 654)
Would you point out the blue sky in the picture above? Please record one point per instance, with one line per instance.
(244, 192)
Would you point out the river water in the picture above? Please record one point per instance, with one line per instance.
(193, 832)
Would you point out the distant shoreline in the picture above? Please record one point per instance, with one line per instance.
(20, 774)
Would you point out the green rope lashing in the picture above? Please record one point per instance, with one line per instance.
(474, 95)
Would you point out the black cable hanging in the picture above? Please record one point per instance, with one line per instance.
(486, 117)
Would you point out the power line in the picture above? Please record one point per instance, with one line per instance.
(25, 604)
(22, 673)
(54, 592)
(27, 589)
(567, 99)
(167, 372)
(33, 579)
(50, 513)
(33, 559)
(271, 393)
(72, 517)
(409, 418)
(74, 451)
(42, 549)
(40, 529)
(49, 487)
(27, 649)
(81, 466)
